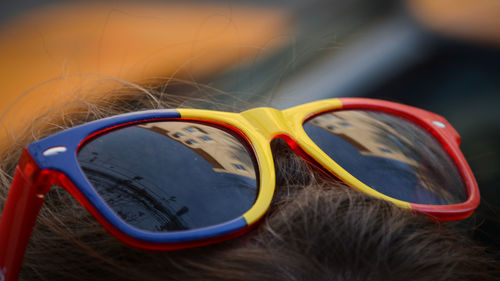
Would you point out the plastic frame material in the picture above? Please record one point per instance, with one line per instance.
(52, 161)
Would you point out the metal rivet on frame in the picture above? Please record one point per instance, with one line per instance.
(54, 150)
(439, 124)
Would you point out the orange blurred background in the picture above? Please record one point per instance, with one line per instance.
(59, 53)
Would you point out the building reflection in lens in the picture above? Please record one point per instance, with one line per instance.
(224, 153)
(172, 175)
(409, 151)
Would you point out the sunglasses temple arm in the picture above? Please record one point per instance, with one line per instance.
(19, 215)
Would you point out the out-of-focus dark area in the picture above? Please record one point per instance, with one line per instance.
(443, 56)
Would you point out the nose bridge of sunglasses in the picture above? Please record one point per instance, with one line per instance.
(269, 122)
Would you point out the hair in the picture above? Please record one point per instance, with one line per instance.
(317, 228)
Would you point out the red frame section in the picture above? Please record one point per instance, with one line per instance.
(24, 201)
(450, 140)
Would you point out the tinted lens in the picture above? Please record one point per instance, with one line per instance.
(390, 154)
(167, 176)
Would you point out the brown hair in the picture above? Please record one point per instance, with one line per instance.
(317, 229)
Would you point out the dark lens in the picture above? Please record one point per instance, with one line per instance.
(166, 176)
(390, 154)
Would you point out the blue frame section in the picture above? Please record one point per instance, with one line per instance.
(67, 163)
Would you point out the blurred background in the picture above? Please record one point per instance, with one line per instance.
(443, 56)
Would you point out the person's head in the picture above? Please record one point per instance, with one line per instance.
(317, 228)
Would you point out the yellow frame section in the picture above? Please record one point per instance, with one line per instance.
(261, 125)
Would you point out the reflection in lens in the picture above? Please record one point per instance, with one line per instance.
(390, 154)
(170, 175)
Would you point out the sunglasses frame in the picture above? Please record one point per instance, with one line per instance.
(53, 161)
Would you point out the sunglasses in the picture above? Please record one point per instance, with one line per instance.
(178, 178)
